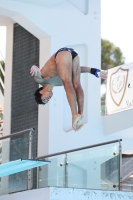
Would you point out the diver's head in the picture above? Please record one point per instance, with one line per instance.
(42, 96)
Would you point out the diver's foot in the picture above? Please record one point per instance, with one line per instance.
(81, 122)
(77, 122)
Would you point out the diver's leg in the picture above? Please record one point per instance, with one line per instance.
(64, 69)
(78, 88)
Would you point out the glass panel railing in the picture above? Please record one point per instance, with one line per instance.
(93, 168)
(23, 146)
(52, 175)
(127, 172)
(89, 168)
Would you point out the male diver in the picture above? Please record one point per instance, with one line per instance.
(63, 69)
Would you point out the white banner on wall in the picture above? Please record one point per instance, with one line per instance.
(119, 92)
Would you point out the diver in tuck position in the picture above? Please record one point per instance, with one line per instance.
(63, 69)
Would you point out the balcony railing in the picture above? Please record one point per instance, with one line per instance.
(15, 146)
(92, 167)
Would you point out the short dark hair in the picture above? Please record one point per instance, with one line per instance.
(38, 96)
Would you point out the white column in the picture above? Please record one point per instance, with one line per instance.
(43, 112)
(7, 104)
(8, 81)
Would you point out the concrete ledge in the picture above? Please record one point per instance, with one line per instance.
(53, 193)
(85, 194)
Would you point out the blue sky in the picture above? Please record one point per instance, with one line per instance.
(116, 26)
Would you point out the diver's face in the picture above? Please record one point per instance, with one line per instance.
(46, 96)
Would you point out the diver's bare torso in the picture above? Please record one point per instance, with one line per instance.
(49, 74)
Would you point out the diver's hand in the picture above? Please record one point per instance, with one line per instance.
(99, 73)
(34, 69)
(103, 74)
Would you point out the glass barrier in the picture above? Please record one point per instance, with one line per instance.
(23, 146)
(93, 168)
(127, 172)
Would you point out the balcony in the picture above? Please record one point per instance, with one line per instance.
(92, 167)
(96, 167)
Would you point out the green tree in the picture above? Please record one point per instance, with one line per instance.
(111, 56)
(2, 64)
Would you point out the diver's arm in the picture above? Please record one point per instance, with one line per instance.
(39, 79)
(35, 71)
(97, 72)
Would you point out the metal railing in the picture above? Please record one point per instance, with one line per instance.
(19, 145)
(66, 160)
(78, 149)
(18, 133)
(74, 168)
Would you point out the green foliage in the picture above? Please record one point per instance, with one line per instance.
(111, 56)
(103, 98)
(2, 64)
(1, 74)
